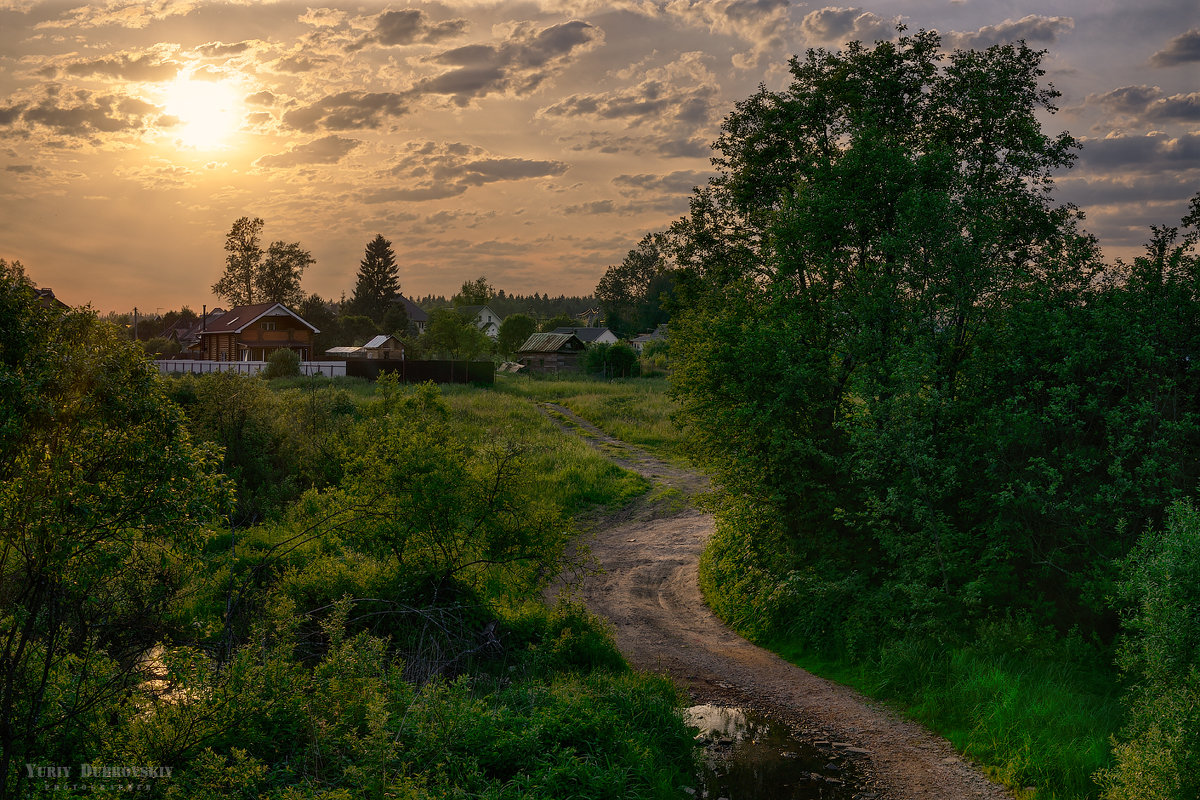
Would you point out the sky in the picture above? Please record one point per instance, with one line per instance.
(533, 143)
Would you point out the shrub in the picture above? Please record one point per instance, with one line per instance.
(1158, 755)
(283, 363)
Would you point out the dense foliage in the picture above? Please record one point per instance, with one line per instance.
(929, 405)
(362, 621)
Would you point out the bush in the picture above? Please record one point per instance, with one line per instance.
(283, 363)
(611, 360)
(1158, 754)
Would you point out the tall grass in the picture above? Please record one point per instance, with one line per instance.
(1037, 711)
(635, 410)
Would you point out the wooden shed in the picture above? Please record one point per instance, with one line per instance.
(551, 353)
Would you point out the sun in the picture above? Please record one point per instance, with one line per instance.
(208, 111)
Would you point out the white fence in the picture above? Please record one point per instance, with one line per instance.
(177, 366)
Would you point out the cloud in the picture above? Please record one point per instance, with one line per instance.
(1183, 49)
(126, 66)
(222, 49)
(680, 181)
(322, 17)
(834, 24)
(133, 14)
(763, 24)
(675, 99)
(263, 98)
(1183, 107)
(1148, 103)
(1034, 28)
(326, 150)
(1131, 100)
(433, 171)
(410, 26)
(81, 113)
(348, 111)
(519, 64)
(1146, 154)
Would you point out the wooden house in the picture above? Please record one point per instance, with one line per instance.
(253, 333)
(551, 353)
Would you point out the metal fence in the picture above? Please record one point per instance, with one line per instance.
(178, 366)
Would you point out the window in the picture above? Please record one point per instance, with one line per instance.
(268, 324)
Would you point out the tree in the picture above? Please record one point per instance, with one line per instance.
(278, 277)
(560, 321)
(632, 292)
(515, 329)
(474, 293)
(395, 320)
(239, 283)
(104, 500)
(378, 280)
(847, 276)
(452, 335)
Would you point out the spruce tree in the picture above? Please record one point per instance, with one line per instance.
(378, 280)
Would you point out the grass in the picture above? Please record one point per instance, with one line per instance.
(634, 410)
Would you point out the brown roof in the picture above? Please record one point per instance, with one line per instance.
(238, 319)
(551, 343)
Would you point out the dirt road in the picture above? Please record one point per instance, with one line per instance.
(647, 587)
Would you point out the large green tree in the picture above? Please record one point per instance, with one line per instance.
(103, 502)
(514, 331)
(847, 275)
(378, 282)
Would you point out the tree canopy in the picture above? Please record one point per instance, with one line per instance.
(254, 276)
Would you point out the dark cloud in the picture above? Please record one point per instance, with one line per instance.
(348, 111)
(680, 181)
(1182, 107)
(20, 169)
(81, 113)
(222, 49)
(411, 26)
(326, 150)
(263, 98)
(1034, 28)
(434, 171)
(744, 10)
(143, 67)
(835, 24)
(10, 114)
(594, 207)
(1145, 154)
(683, 96)
(519, 64)
(1127, 99)
(1183, 49)
(298, 64)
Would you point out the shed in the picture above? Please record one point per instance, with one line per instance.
(549, 353)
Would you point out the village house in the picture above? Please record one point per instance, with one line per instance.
(383, 346)
(550, 353)
(417, 317)
(253, 333)
(485, 319)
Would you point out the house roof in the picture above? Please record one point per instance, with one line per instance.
(586, 335)
(380, 340)
(238, 319)
(414, 311)
(550, 343)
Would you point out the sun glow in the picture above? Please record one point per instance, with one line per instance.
(209, 112)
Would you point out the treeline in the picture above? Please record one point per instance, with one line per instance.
(328, 589)
(940, 423)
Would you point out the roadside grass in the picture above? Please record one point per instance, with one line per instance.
(634, 410)
(569, 472)
(1035, 712)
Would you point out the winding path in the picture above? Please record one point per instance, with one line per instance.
(646, 586)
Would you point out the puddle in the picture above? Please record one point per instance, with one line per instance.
(749, 757)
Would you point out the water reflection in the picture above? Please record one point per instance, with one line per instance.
(749, 757)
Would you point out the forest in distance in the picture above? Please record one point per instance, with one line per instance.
(955, 454)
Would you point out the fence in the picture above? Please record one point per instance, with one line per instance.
(178, 366)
